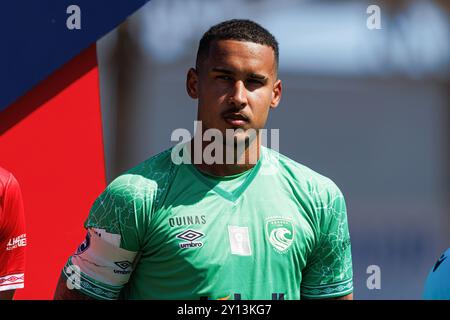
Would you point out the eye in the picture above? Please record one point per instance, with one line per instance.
(224, 77)
(255, 82)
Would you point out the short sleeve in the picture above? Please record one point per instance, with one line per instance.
(12, 237)
(123, 209)
(329, 272)
(116, 227)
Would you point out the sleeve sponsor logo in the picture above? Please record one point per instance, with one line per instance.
(17, 242)
(125, 267)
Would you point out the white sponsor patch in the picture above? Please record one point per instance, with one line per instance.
(239, 241)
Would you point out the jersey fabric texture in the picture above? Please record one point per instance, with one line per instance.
(12, 233)
(437, 285)
(276, 231)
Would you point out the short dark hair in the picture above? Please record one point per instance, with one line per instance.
(236, 29)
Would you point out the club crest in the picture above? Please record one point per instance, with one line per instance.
(280, 233)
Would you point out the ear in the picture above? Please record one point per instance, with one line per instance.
(192, 83)
(276, 94)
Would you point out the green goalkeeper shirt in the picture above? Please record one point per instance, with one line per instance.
(276, 231)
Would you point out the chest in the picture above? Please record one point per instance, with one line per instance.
(213, 231)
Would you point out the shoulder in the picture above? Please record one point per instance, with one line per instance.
(302, 177)
(8, 183)
(133, 197)
(5, 178)
(156, 167)
(145, 179)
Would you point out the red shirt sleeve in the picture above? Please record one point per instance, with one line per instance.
(12, 235)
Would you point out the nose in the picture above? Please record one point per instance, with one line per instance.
(238, 97)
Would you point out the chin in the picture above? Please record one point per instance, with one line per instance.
(239, 139)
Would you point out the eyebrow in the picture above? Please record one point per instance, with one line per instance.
(258, 76)
(251, 75)
(222, 70)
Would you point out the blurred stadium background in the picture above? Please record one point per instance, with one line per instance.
(368, 108)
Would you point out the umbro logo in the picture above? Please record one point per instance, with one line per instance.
(123, 264)
(190, 236)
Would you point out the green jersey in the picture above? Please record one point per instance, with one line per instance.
(167, 231)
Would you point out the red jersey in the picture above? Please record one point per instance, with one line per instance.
(12, 233)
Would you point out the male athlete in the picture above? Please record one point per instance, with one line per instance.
(12, 236)
(264, 229)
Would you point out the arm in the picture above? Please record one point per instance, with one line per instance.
(7, 295)
(12, 240)
(328, 273)
(64, 293)
(91, 272)
(113, 235)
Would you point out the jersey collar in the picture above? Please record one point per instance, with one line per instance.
(215, 185)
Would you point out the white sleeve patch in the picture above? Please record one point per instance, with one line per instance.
(101, 258)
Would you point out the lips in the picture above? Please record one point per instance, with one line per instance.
(236, 119)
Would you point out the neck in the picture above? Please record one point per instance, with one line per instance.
(235, 159)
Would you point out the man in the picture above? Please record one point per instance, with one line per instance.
(437, 285)
(224, 229)
(12, 236)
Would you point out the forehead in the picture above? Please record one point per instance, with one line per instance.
(241, 56)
